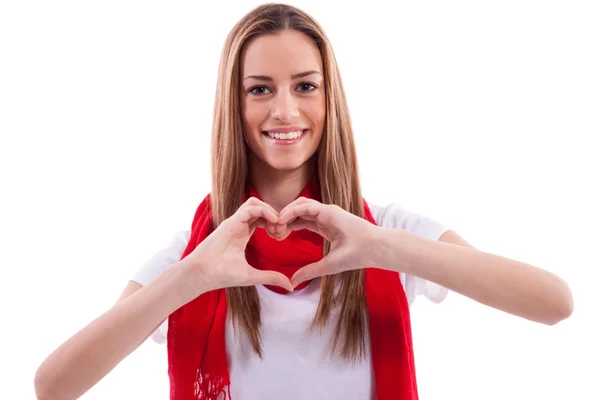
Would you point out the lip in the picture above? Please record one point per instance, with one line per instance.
(285, 129)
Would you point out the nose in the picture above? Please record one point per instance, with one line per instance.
(285, 107)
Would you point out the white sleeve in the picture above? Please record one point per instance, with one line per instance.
(394, 216)
(158, 263)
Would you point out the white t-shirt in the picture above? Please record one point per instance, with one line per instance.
(296, 365)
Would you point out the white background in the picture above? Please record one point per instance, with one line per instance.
(481, 115)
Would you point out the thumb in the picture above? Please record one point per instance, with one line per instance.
(274, 278)
(311, 271)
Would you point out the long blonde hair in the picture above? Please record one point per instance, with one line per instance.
(336, 165)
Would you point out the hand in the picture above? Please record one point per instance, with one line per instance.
(219, 261)
(353, 239)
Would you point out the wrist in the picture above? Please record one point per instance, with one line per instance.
(388, 248)
(378, 248)
(190, 283)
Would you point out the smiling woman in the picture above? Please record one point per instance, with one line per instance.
(289, 283)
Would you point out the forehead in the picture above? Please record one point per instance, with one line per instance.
(281, 55)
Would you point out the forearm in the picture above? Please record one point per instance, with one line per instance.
(84, 359)
(508, 285)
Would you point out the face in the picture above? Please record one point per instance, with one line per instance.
(282, 100)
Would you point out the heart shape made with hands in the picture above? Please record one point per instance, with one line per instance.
(302, 247)
(351, 238)
(297, 257)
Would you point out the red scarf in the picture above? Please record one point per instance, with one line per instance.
(196, 335)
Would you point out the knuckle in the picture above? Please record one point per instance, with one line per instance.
(249, 202)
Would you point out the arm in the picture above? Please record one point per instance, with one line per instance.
(218, 262)
(84, 359)
(508, 285)
(131, 288)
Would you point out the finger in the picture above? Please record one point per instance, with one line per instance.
(310, 271)
(280, 232)
(300, 223)
(283, 231)
(255, 212)
(267, 226)
(299, 200)
(306, 217)
(271, 229)
(304, 210)
(253, 201)
(258, 277)
(257, 223)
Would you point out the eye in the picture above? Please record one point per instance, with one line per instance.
(258, 90)
(307, 87)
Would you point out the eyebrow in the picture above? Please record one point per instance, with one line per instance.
(268, 78)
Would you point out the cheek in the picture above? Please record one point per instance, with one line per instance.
(317, 111)
(253, 115)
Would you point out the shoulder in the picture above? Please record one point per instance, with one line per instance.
(394, 215)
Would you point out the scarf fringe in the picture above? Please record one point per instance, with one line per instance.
(209, 387)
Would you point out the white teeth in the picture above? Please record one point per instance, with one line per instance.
(287, 136)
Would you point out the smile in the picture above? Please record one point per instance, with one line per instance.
(285, 137)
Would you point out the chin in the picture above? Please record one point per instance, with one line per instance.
(282, 162)
(286, 165)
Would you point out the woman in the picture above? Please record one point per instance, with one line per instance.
(289, 284)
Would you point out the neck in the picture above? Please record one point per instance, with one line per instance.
(278, 188)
